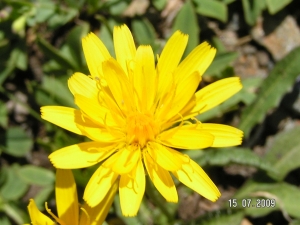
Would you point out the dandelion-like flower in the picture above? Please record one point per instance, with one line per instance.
(68, 207)
(137, 114)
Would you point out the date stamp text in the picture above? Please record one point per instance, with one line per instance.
(252, 203)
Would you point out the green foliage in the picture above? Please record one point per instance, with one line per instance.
(285, 195)
(284, 150)
(271, 91)
(186, 22)
(227, 156)
(212, 8)
(3, 115)
(16, 142)
(232, 218)
(275, 5)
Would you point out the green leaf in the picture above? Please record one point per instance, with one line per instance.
(228, 1)
(221, 62)
(18, 142)
(42, 196)
(286, 196)
(44, 10)
(275, 6)
(212, 8)
(144, 32)
(284, 152)
(225, 218)
(72, 48)
(159, 4)
(3, 115)
(295, 222)
(273, 88)
(58, 91)
(227, 156)
(252, 13)
(55, 54)
(248, 12)
(36, 175)
(245, 95)
(15, 213)
(4, 221)
(106, 34)
(13, 187)
(186, 22)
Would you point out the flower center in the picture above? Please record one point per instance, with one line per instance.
(141, 128)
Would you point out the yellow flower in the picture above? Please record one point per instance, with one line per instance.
(135, 113)
(68, 207)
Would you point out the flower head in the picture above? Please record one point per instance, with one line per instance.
(68, 207)
(136, 113)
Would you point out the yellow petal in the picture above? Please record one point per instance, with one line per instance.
(169, 59)
(66, 197)
(95, 53)
(224, 136)
(198, 60)
(64, 117)
(216, 93)
(118, 84)
(98, 114)
(131, 189)
(81, 155)
(83, 85)
(186, 137)
(185, 90)
(99, 185)
(97, 214)
(144, 77)
(123, 161)
(161, 179)
(124, 46)
(167, 158)
(36, 216)
(193, 176)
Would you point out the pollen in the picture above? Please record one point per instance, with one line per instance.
(141, 128)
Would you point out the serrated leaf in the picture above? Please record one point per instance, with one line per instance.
(273, 88)
(36, 175)
(275, 6)
(212, 8)
(186, 22)
(227, 156)
(17, 142)
(286, 196)
(284, 153)
(246, 95)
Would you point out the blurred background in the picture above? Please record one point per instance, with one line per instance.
(40, 48)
